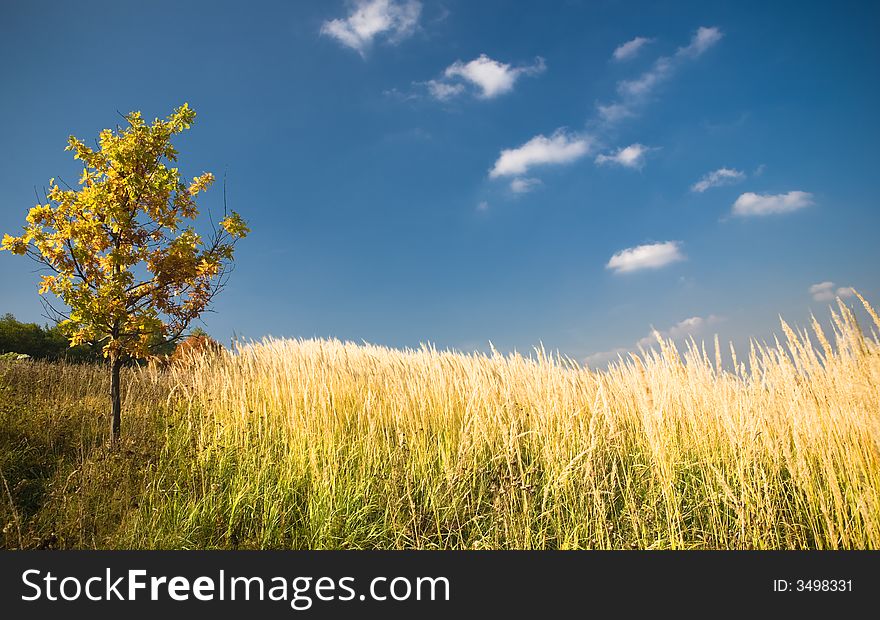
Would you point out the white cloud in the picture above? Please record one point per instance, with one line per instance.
(632, 156)
(649, 256)
(442, 90)
(717, 178)
(765, 204)
(634, 93)
(630, 49)
(489, 77)
(524, 186)
(560, 148)
(645, 83)
(688, 327)
(824, 291)
(703, 39)
(692, 326)
(603, 357)
(483, 206)
(392, 19)
(614, 112)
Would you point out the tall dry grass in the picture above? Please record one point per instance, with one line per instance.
(323, 444)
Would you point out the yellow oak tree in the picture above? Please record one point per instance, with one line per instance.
(121, 250)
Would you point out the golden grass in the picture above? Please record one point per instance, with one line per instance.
(323, 444)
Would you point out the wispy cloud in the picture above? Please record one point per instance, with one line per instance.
(614, 112)
(632, 156)
(559, 148)
(524, 186)
(630, 49)
(635, 90)
(825, 291)
(649, 256)
(442, 91)
(633, 93)
(391, 20)
(702, 40)
(489, 78)
(750, 204)
(717, 178)
(689, 327)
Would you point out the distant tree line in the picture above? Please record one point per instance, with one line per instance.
(50, 342)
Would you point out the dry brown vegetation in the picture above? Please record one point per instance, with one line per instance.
(324, 444)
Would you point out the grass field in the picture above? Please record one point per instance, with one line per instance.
(323, 444)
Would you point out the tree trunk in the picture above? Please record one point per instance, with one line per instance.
(115, 398)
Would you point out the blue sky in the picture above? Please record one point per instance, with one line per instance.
(457, 172)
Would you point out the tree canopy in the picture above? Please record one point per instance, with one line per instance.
(121, 250)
